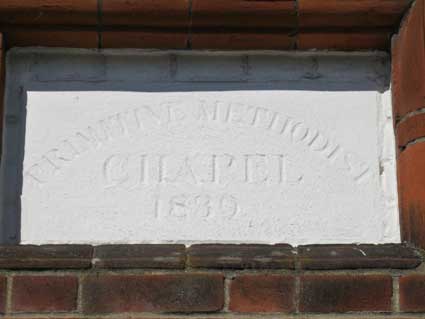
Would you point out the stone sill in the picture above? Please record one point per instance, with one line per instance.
(210, 256)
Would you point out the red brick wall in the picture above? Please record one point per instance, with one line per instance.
(226, 280)
(408, 88)
(202, 24)
(215, 280)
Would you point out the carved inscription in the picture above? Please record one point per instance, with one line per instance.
(138, 169)
(134, 170)
(162, 147)
(203, 206)
(211, 172)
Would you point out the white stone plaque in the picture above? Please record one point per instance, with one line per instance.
(131, 146)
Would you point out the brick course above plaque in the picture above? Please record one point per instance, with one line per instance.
(220, 24)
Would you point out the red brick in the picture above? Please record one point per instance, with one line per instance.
(3, 294)
(44, 293)
(153, 293)
(52, 12)
(408, 89)
(242, 13)
(412, 293)
(51, 38)
(411, 190)
(232, 256)
(351, 13)
(343, 293)
(168, 13)
(45, 256)
(322, 257)
(151, 39)
(262, 293)
(346, 41)
(408, 58)
(242, 40)
(140, 256)
(410, 129)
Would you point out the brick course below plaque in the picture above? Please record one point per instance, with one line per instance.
(221, 280)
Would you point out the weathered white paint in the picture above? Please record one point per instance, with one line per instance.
(136, 146)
